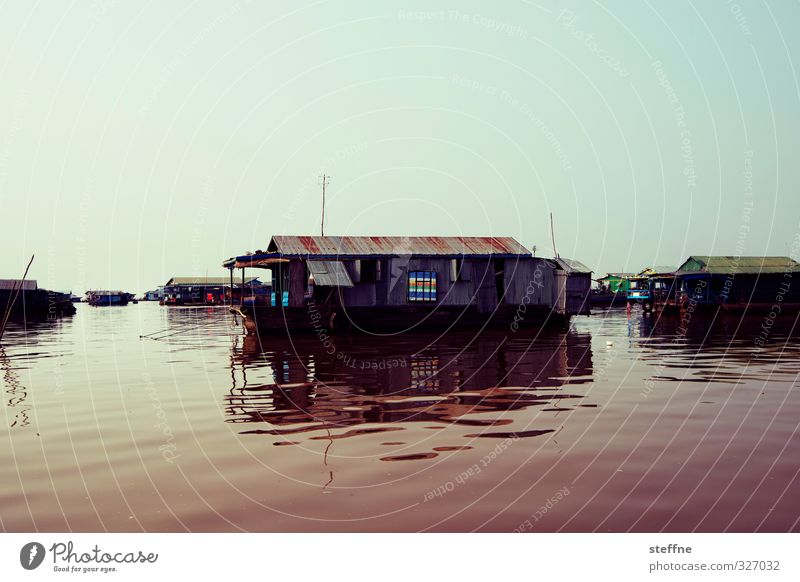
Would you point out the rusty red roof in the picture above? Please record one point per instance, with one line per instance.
(337, 246)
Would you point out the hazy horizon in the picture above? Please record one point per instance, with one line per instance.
(143, 142)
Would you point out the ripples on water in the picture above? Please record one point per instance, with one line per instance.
(617, 424)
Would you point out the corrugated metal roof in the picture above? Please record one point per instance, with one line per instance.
(359, 246)
(732, 265)
(201, 281)
(329, 274)
(617, 276)
(27, 284)
(572, 266)
(658, 269)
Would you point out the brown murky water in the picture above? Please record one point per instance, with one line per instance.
(615, 425)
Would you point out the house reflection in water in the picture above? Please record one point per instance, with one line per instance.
(302, 385)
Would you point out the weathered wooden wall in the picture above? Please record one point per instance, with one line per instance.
(529, 280)
(578, 288)
(559, 296)
(298, 279)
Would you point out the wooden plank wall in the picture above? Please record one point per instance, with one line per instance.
(578, 288)
(530, 280)
(297, 282)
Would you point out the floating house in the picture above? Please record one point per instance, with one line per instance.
(615, 282)
(211, 290)
(656, 270)
(573, 284)
(738, 283)
(405, 283)
(154, 295)
(24, 298)
(611, 289)
(104, 298)
(655, 287)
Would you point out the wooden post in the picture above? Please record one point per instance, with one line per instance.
(13, 299)
(230, 290)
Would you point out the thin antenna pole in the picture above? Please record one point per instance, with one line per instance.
(324, 180)
(553, 235)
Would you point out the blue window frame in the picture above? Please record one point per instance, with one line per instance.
(422, 286)
(284, 299)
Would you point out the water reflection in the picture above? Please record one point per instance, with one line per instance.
(26, 343)
(725, 349)
(15, 393)
(440, 380)
(645, 422)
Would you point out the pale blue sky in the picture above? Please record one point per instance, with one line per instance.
(144, 140)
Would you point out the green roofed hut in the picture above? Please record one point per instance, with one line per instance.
(740, 283)
(611, 289)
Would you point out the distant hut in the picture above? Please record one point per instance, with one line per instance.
(615, 282)
(660, 285)
(210, 290)
(24, 299)
(107, 298)
(154, 295)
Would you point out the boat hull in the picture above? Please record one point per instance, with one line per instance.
(390, 319)
(36, 304)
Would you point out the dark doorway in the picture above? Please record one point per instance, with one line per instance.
(499, 279)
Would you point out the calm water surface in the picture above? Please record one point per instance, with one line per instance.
(615, 425)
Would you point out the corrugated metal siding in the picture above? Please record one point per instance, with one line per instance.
(572, 266)
(657, 269)
(396, 245)
(578, 288)
(528, 282)
(27, 285)
(559, 297)
(329, 274)
(617, 276)
(731, 265)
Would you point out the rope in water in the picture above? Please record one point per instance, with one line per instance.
(162, 333)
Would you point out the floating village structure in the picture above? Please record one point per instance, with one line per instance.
(577, 282)
(727, 283)
(24, 298)
(615, 282)
(405, 283)
(154, 295)
(211, 291)
(739, 283)
(611, 289)
(105, 298)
